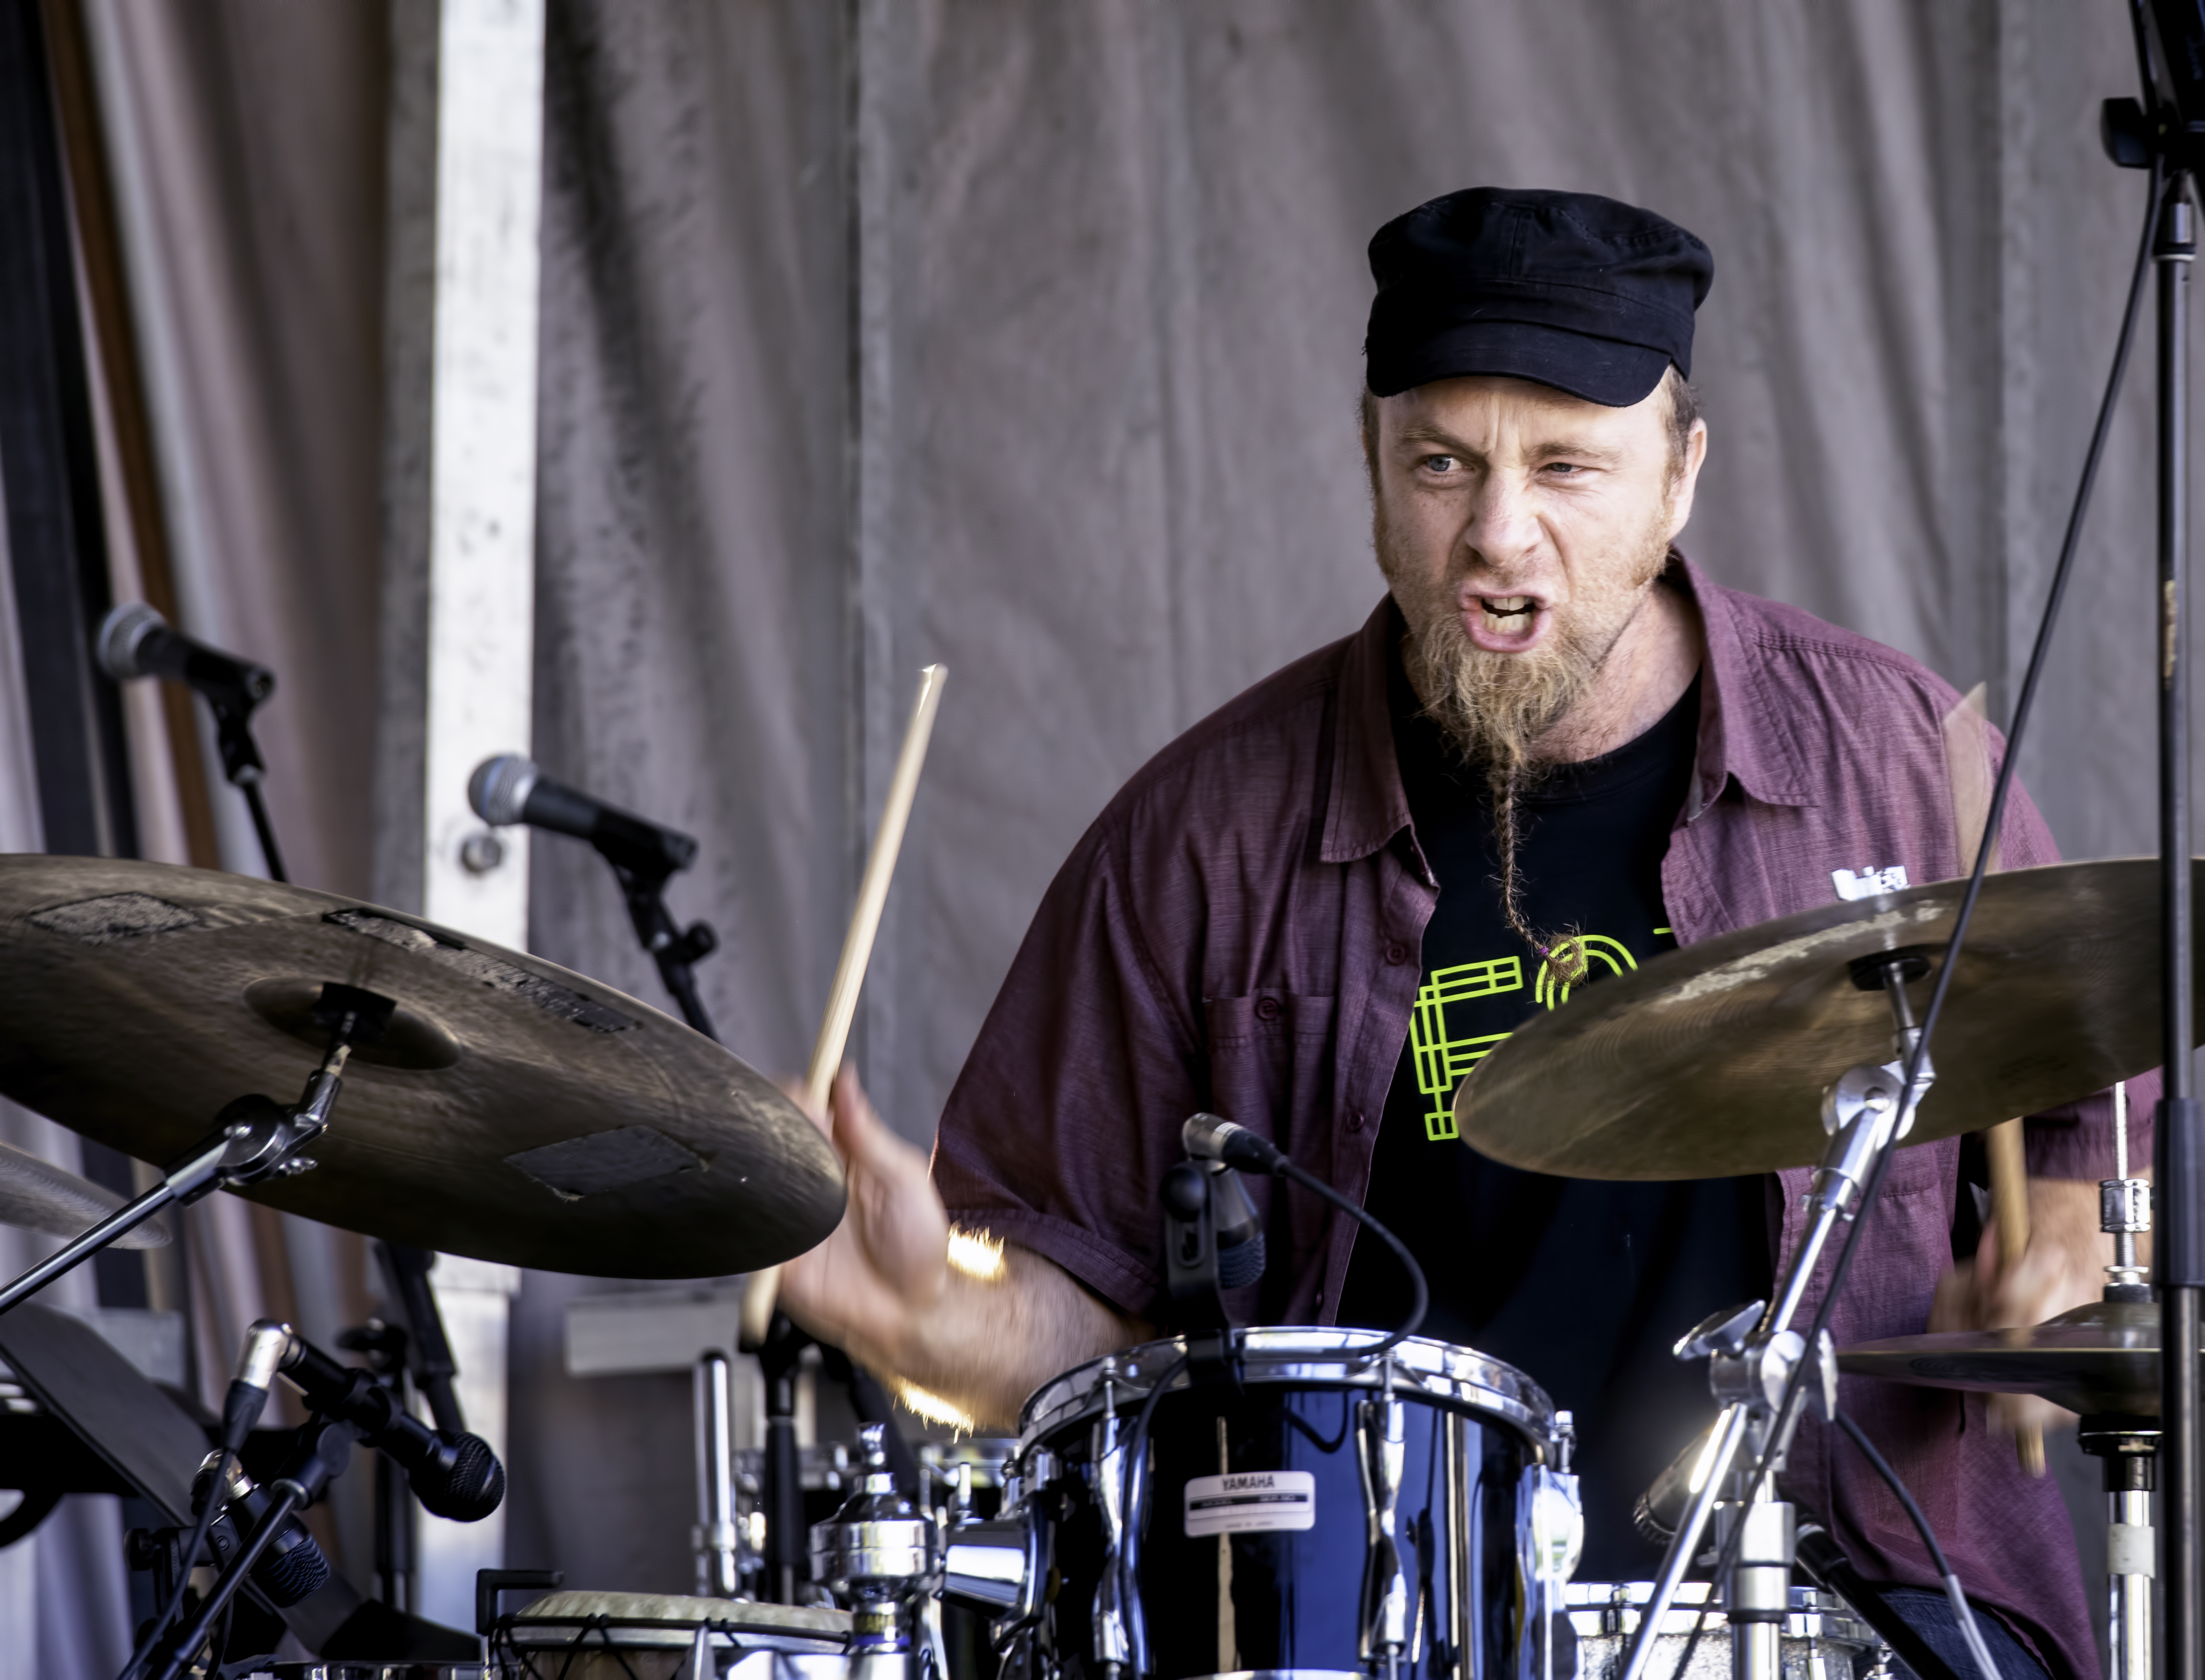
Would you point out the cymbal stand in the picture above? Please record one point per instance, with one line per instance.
(2129, 1446)
(1753, 1353)
(255, 1138)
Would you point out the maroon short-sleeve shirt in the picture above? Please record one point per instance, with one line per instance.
(1240, 931)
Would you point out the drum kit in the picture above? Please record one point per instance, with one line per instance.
(1243, 1500)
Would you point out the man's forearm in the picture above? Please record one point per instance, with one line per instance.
(990, 1342)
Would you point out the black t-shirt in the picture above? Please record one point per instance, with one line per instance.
(1583, 1284)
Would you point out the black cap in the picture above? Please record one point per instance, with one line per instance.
(1591, 296)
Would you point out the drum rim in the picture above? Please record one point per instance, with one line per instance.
(1424, 1367)
(1842, 1622)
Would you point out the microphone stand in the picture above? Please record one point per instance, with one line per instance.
(676, 950)
(305, 1482)
(242, 766)
(2153, 134)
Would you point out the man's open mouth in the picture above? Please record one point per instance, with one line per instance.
(1509, 612)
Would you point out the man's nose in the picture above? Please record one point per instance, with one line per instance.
(1503, 528)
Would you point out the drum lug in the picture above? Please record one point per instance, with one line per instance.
(1380, 1447)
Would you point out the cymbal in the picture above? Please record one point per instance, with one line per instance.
(513, 1111)
(1711, 1060)
(2099, 1357)
(36, 1195)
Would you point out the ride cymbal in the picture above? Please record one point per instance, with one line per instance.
(1711, 1060)
(511, 1111)
(2102, 1357)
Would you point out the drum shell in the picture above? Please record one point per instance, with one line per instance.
(1291, 1597)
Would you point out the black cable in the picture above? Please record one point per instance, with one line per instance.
(1962, 1611)
(217, 1497)
(1421, 1295)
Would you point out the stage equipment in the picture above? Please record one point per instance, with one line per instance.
(507, 1109)
(2164, 131)
(1712, 1060)
(1334, 1504)
(135, 641)
(643, 854)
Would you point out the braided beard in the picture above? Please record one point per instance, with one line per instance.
(1495, 707)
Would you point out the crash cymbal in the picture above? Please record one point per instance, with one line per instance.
(2102, 1357)
(512, 1110)
(1711, 1060)
(36, 1196)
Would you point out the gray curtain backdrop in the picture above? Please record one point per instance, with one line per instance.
(1027, 339)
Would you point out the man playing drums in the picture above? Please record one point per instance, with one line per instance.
(1554, 749)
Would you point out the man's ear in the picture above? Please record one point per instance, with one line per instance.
(1686, 485)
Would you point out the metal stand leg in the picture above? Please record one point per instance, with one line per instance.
(719, 1551)
(2128, 1446)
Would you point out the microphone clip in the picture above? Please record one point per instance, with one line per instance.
(1194, 1280)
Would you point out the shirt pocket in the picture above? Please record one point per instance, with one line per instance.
(1271, 1063)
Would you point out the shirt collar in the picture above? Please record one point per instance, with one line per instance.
(1740, 735)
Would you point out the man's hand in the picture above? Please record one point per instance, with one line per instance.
(2062, 1267)
(889, 1260)
(881, 1287)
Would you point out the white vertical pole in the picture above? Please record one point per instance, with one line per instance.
(482, 543)
(481, 605)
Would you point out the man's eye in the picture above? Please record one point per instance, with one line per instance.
(1439, 463)
(1564, 469)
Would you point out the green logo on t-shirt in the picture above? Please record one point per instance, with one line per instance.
(1442, 1058)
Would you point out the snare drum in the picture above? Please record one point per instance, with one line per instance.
(1304, 1510)
(580, 1635)
(1822, 1639)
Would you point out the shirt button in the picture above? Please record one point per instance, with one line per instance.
(1267, 1009)
(1355, 1121)
(1396, 952)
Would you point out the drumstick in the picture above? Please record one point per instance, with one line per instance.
(1968, 761)
(857, 952)
(2002, 1143)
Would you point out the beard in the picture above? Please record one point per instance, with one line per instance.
(1494, 708)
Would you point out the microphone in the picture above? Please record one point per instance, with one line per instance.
(1240, 1252)
(292, 1567)
(1214, 1137)
(509, 789)
(135, 641)
(453, 1474)
(266, 1344)
(1661, 1506)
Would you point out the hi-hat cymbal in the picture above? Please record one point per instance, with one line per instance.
(2099, 1357)
(513, 1111)
(36, 1195)
(1711, 1060)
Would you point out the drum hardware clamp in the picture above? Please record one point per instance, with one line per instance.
(1754, 1355)
(254, 1139)
(880, 1554)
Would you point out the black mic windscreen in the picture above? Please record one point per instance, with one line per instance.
(1241, 1264)
(465, 1486)
(292, 1568)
